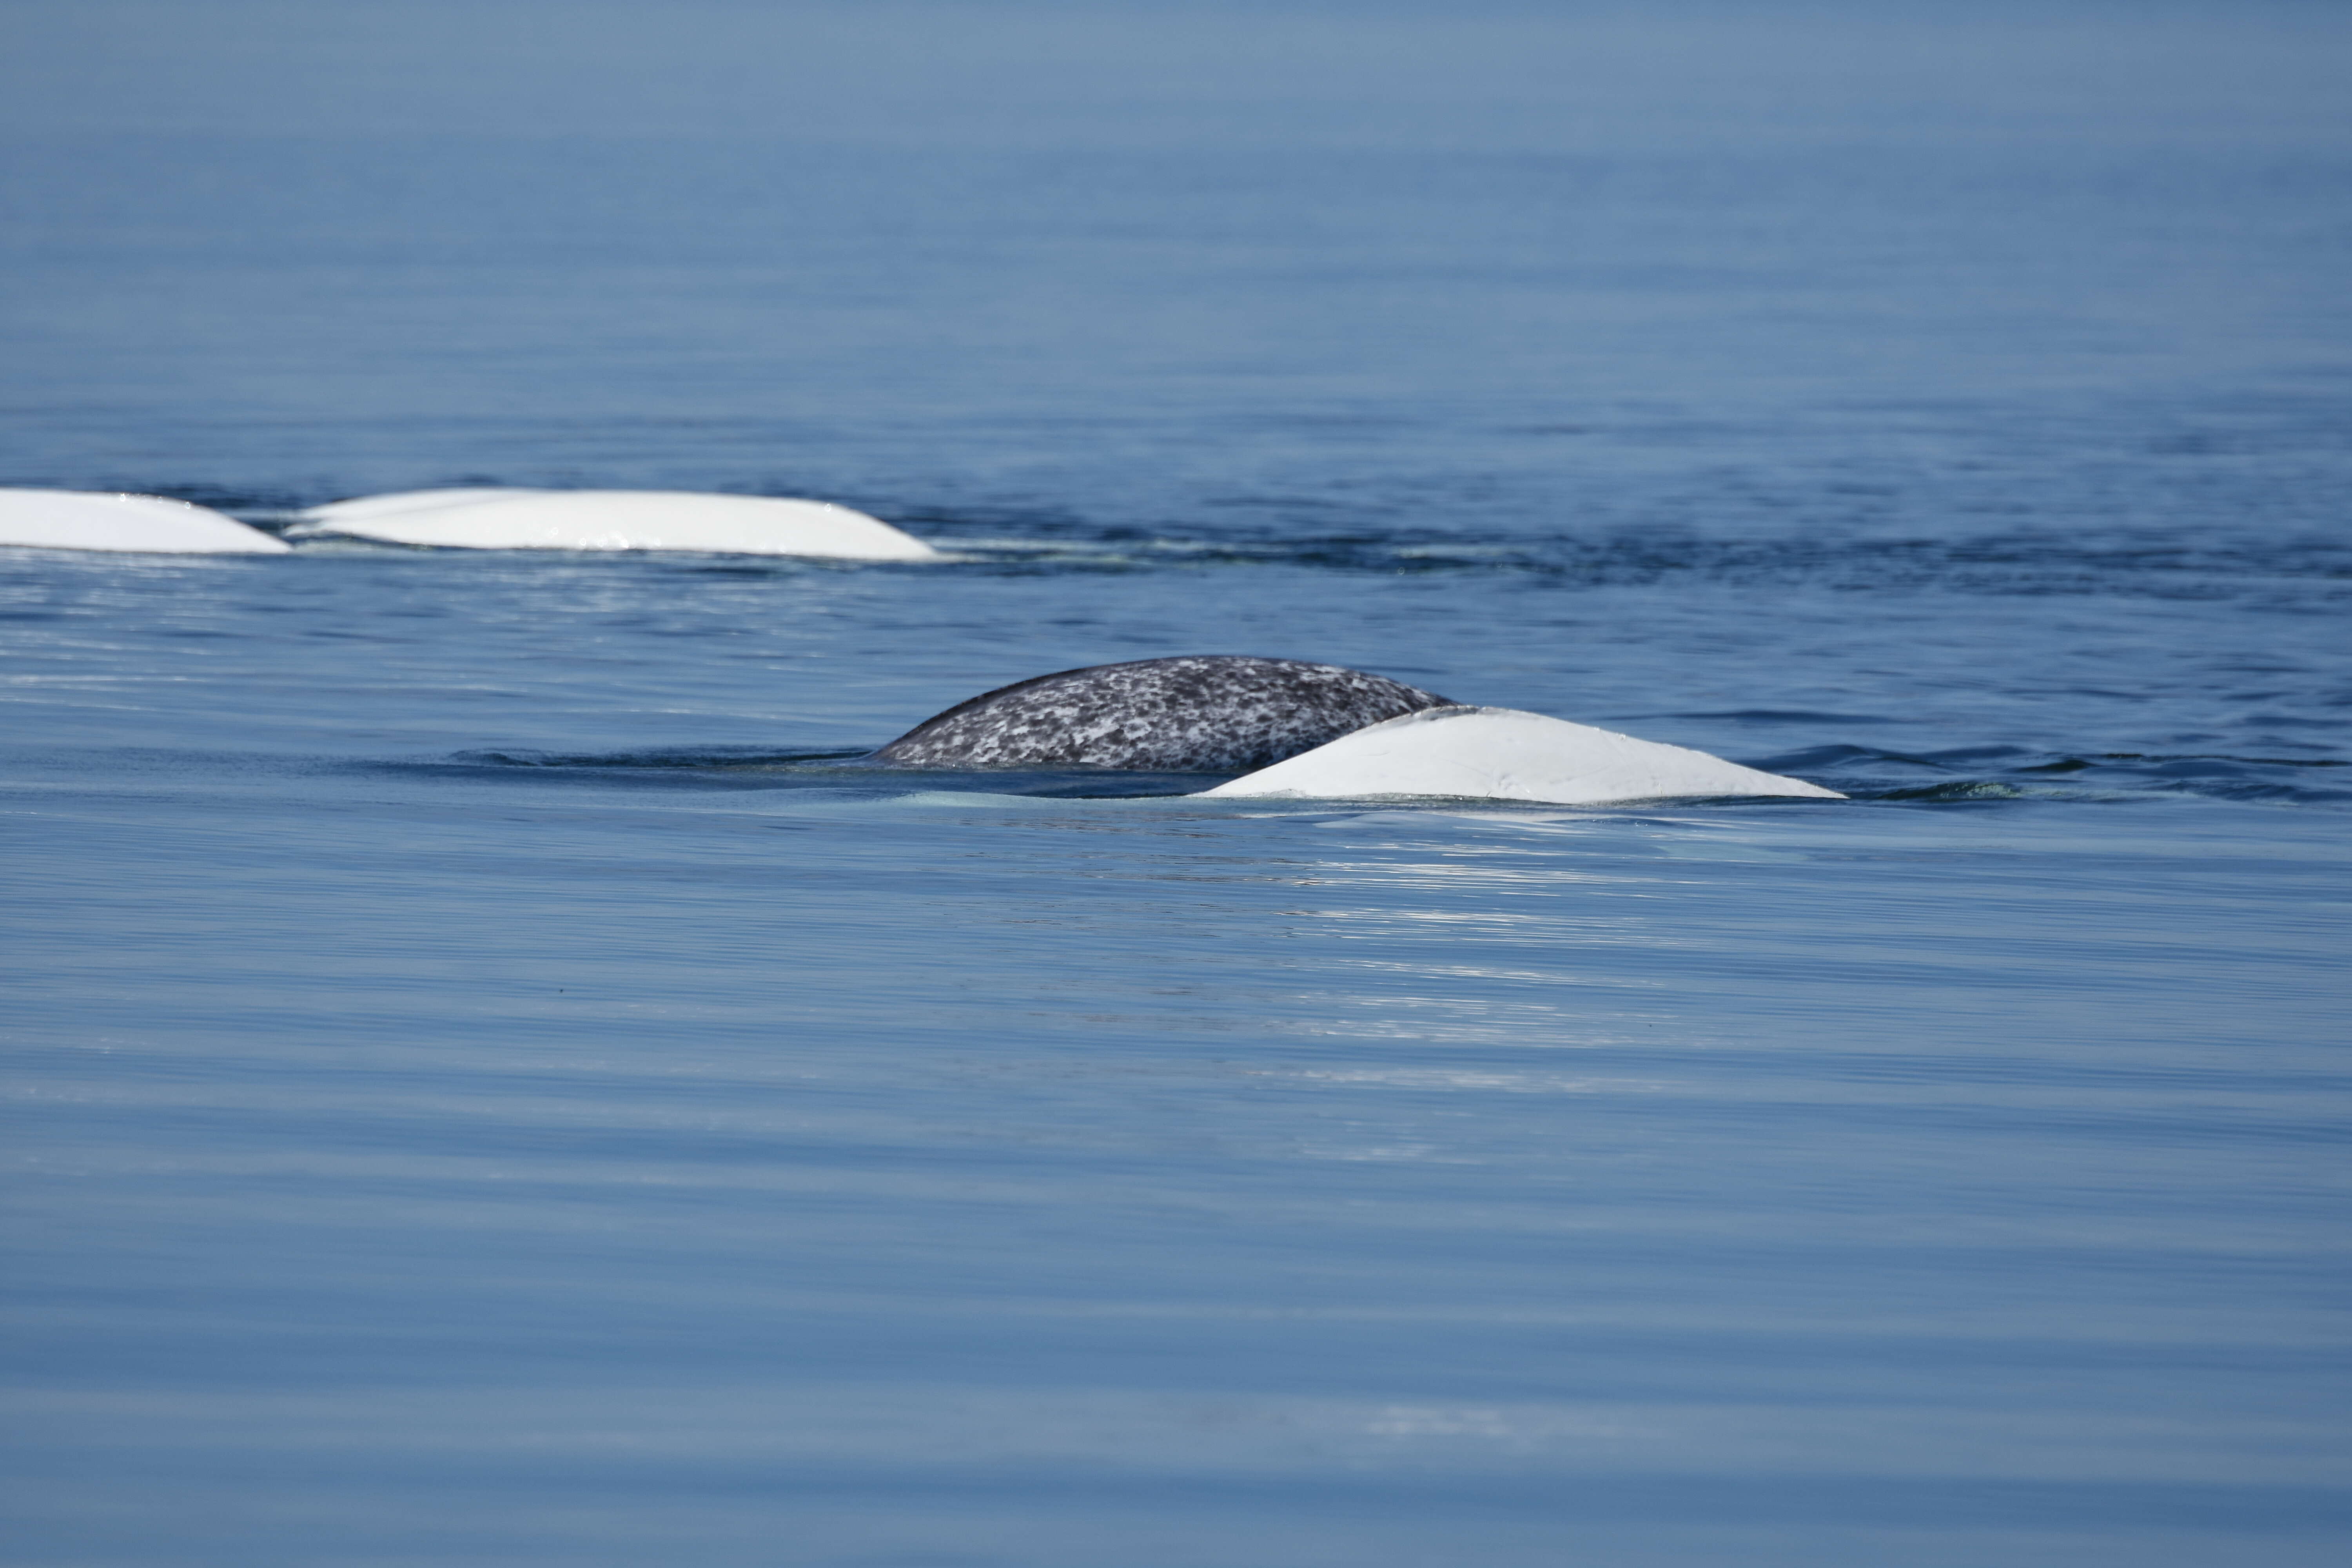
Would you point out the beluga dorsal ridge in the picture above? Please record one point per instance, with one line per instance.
(1202, 713)
(108, 520)
(1503, 753)
(497, 518)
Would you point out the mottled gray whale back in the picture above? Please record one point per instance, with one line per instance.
(1198, 713)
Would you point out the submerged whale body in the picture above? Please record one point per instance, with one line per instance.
(85, 520)
(477, 517)
(1202, 713)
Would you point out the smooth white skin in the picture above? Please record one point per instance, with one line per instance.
(360, 508)
(85, 519)
(620, 520)
(1503, 754)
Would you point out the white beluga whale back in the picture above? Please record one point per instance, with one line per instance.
(1504, 754)
(1312, 731)
(480, 518)
(332, 517)
(85, 520)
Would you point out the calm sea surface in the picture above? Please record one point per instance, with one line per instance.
(484, 1088)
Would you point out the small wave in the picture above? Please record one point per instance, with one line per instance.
(1972, 789)
(2308, 570)
(1770, 716)
(833, 768)
(1997, 773)
(704, 757)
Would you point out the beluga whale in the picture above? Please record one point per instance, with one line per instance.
(1306, 731)
(104, 519)
(497, 517)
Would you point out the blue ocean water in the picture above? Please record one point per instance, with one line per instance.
(488, 1085)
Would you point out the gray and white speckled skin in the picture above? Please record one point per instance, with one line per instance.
(1206, 714)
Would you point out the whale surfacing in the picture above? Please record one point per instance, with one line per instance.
(480, 517)
(1504, 754)
(1313, 731)
(1206, 713)
(333, 517)
(92, 520)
